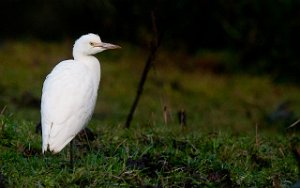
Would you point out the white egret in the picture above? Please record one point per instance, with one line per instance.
(70, 92)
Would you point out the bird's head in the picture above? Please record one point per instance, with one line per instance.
(91, 44)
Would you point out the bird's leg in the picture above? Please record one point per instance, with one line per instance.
(71, 154)
(87, 139)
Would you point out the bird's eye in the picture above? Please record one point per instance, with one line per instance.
(92, 44)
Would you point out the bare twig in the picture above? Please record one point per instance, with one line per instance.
(155, 43)
(166, 115)
(3, 110)
(295, 123)
(256, 135)
(182, 117)
(2, 123)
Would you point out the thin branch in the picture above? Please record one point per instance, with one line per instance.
(155, 43)
(3, 110)
(256, 135)
(295, 123)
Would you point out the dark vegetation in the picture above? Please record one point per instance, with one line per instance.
(264, 35)
(157, 157)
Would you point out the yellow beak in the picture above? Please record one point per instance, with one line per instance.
(106, 45)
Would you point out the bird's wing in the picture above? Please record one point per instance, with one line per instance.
(68, 101)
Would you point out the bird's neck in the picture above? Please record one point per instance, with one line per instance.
(93, 65)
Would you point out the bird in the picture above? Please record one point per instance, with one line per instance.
(69, 93)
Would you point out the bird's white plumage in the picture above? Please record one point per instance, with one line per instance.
(70, 92)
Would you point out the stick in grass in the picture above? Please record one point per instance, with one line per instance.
(295, 123)
(156, 40)
(256, 135)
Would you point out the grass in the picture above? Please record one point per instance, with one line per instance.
(155, 157)
(217, 148)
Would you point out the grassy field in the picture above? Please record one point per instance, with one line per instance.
(219, 146)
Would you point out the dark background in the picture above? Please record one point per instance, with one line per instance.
(264, 34)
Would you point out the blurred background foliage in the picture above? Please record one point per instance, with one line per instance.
(262, 35)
